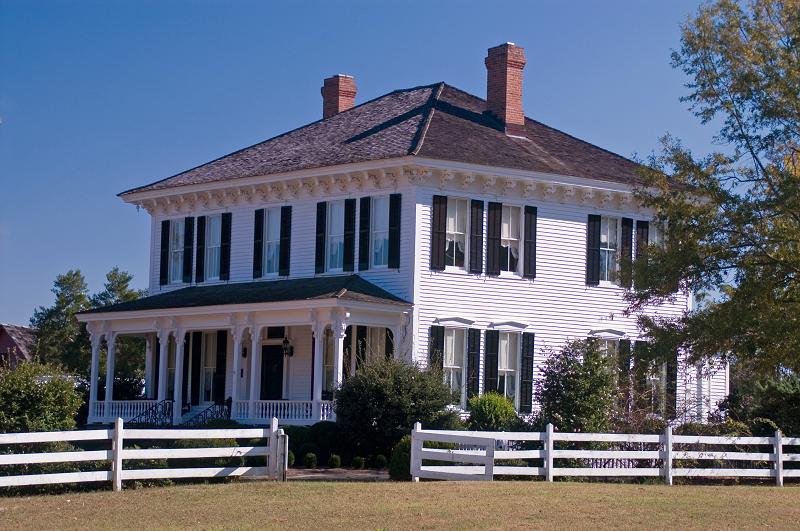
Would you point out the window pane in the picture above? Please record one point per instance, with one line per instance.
(380, 213)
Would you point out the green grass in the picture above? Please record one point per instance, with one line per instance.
(427, 505)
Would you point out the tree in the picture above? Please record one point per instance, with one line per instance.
(731, 221)
(576, 391)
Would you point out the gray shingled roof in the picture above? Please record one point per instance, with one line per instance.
(434, 121)
(343, 287)
(24, 337)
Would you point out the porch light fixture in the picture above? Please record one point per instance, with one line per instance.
(288, 349)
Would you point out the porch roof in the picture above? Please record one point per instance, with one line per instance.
(342, 287)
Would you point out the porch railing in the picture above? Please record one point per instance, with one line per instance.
(124, 409)
(283, 410)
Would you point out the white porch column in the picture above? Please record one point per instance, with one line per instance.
(148, 366)
(237, 334)
(319, 344)
(94, 372)
(111, 354)
(338, 353)
(255, 368)
(178, 394)
(163, 355)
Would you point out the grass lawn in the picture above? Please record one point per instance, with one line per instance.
(318, 506)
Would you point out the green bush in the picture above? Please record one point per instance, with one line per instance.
(378, 406)
(491, 412)
(37, 397)
(310, 460)
(380, 462)
(358, 462)
(400, 463)
(290, 458)
(334, 461)
(446, 420)
(326, 438)
(761, 427)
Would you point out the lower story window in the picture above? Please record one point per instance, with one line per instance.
(327, 366)
(171, 369)
(507, 363)
(209, 366)
(453, 361)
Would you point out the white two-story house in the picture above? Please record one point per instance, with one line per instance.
(426, 224)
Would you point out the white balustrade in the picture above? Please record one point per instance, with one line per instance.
(284, 410)
(124, 409)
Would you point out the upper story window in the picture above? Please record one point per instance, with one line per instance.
(609, 238)
(509, 239)
(456, 236)
(507, 365)
(453, 358)
(335, 236)
(176, 245)
(272, 240)
(380, 231)
(213, 246)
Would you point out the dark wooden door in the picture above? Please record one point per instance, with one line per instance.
(271, 372)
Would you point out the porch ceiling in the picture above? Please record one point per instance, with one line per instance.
(341, 287)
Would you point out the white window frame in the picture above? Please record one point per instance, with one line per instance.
(609, 255)
(450, 369)
(514, 338)
(274, 243)
(211, 275)
(176, 251)
(448, 233)
(329, 236)
(509, 212)
(379, 235)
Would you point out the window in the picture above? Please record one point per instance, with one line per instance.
(327, 366)
(272, 240)
(453, 361)
(380, 231)
(609, 236)
(456, 232)
(335, 236)
(176, 251)
(171, 369)
(655, 234)
(213, 245)
(509, 239)
(507, 363)
(209, 366)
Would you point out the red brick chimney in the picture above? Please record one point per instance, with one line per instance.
(338, 94)
(504, 66)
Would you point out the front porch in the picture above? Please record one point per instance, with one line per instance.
(249, 363)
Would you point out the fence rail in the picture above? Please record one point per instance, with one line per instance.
(472, 455)
(274, 452)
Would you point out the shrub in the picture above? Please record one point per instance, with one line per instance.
(290, 458)
(446, 420)
(400, 464)
(326, 438)
(378, 406)
(310, 460)
(334, 461)
(357, 462)
(308, 448)
(37, 397)
(380, 461)
(491, 412)
(761, 427)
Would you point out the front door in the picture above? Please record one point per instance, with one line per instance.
(271, 372)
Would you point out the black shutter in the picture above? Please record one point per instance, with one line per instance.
(319, 256)
(197, 363)
(476, 236)
(624, 360)
(438, 232)
(526, 373)
(491, 347)
(642, 239)
(641, 372)
(473, 359)
(389, 344)
(593, 250)
(347, 353)
(494, 224)
(363, 233)
(671, 388)
(186, 356)
(395, 204)
(349, 261)
(163, 270)
(188, 244)
(361, 346)
(225, 247)
(436, 347)
(286, 241)
(219, 370)
(258, 244)
(313, 363)
(529, 243)
(200, 253)
(626, 247)
(153, 393)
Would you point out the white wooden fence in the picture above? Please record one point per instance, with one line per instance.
(274, 453)
(474, 455)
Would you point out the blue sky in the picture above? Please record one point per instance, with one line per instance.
(100, 96)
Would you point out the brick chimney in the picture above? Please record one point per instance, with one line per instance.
(504, 66)
(338, 94)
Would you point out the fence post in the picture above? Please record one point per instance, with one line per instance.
(116, 455)
(548, 452)
(416, 448)
(666, 456)
(283, 455)
(488, 469)
(778, 444)
(272, 467)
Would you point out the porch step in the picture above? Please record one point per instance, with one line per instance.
(193, 412)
